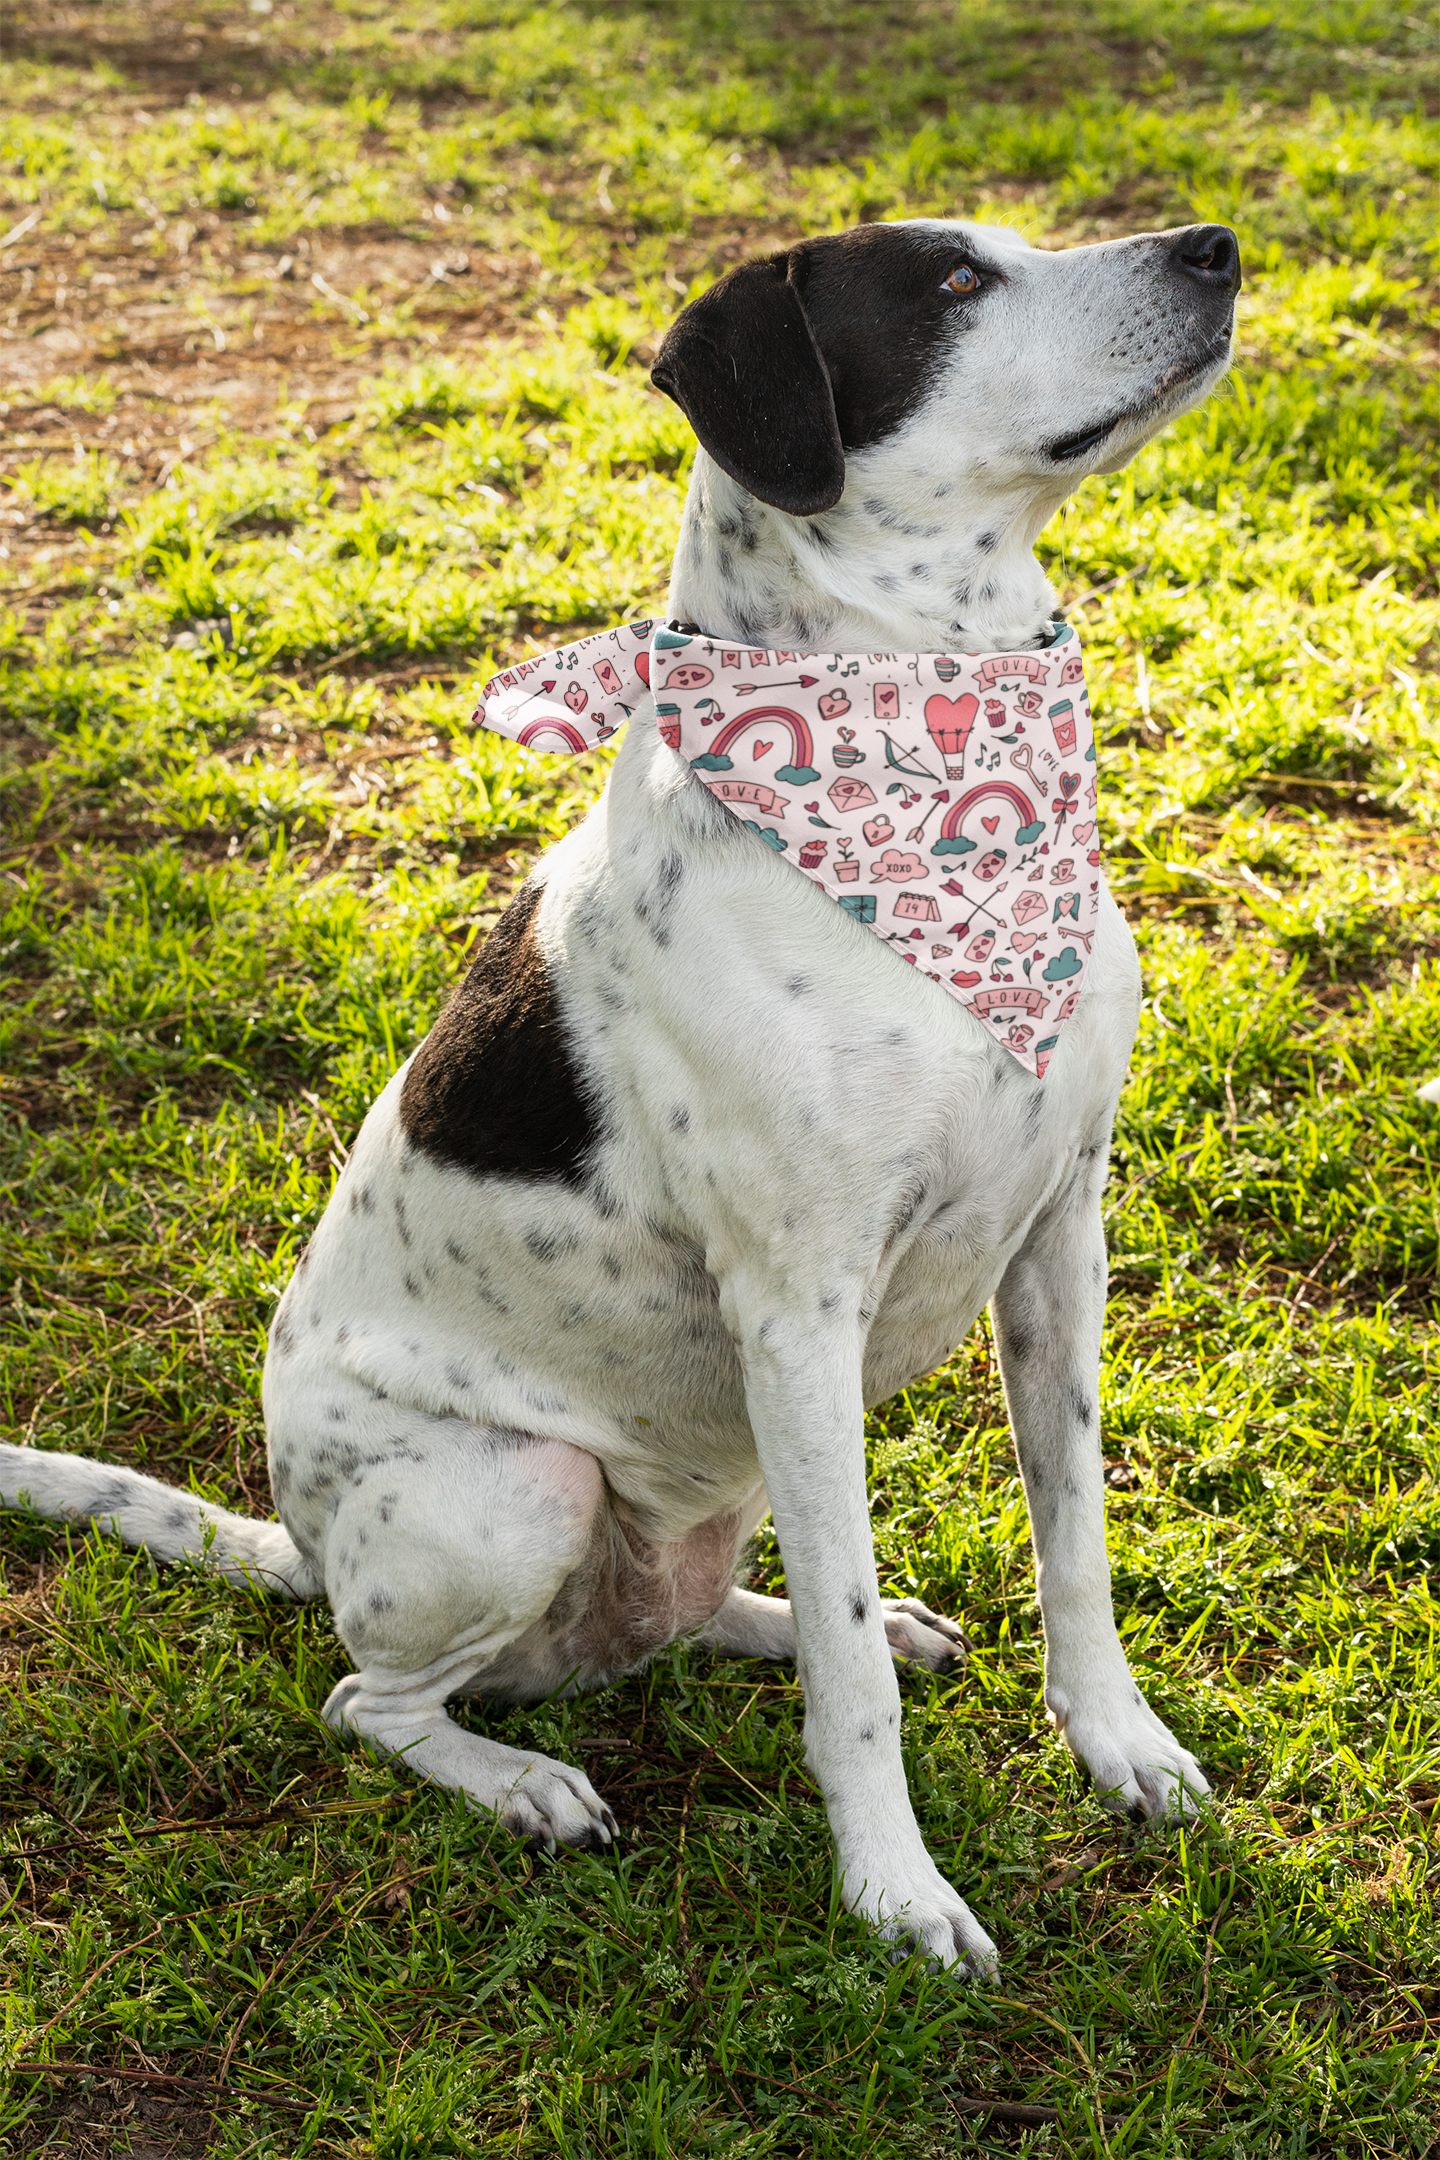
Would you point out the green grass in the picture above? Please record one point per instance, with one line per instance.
(249, 839)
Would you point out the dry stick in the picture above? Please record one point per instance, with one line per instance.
(1189, 2039)
(1008, 2002)
(85, 1986)
(682, 1914)
(198, 2086)
(276, 1969)
(1309, 1282)
(130, 1696)
(254, 1819)
(127, 1950)
(1021, 2111)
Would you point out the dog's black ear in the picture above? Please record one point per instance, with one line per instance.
(742, 364)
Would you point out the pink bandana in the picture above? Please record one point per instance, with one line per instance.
(946, 801)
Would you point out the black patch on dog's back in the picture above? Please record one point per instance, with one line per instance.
(493, 1088)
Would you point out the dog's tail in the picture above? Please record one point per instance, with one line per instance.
(168, 1523)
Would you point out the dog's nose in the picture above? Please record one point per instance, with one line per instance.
(1210, 254)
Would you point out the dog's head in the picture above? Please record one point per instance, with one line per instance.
(959, 345)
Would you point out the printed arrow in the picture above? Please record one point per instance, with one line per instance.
(789, 682)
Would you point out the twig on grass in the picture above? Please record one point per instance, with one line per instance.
(1030, 2115)
(111, 1679)
(251, 1819)
(127, 1950)
(274, 1973)
(682, 1911)
(199, 2086)
(1224, 1907)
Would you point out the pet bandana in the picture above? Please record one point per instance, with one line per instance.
(946, 801)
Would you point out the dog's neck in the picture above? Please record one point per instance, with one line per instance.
(903, 562)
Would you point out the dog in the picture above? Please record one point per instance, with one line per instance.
(689, 1171)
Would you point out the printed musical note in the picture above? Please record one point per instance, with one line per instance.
(853, 669)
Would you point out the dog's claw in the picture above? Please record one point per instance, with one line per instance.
(923, 1637)
(1138, 1768)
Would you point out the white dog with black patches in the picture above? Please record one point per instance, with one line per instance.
(690, 1170)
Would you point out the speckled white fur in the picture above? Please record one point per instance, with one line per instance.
(520, 1430)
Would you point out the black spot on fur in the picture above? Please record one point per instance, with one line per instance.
(281, 1339)
(866, 1732)
(611, 1266)
(859, 1608)
(401, 1225)
(380, 1601)
(653, 907)
(680, 1119)
(495, 1088)
(798, 986)
(985, 542)
(1083, 1410)
(412, 1287)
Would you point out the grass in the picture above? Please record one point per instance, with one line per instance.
(324, 387)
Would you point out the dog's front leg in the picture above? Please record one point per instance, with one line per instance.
(803, 1389)
(1049, 1315)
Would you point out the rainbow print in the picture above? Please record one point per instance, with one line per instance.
(799, 773)
(572, 742)
(953, 842)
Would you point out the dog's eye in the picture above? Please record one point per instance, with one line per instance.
(963, 279)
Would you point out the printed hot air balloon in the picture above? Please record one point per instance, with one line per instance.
(948, 722)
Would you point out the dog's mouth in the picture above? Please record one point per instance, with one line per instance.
(1067, 448)
(1070, 447)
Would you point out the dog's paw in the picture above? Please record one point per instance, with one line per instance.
(1137, 1765)
(545, 1802)
(550, 1804)
(923, 1637)
(931, 1921)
